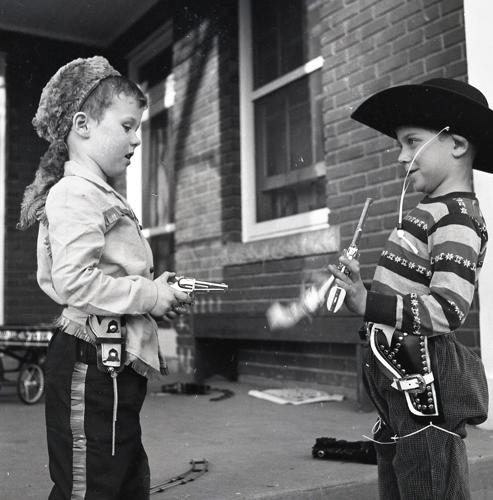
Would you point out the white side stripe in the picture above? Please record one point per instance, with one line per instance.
(79, 441)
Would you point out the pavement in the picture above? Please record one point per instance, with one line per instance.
(256, 449)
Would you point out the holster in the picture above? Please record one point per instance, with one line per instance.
(110, 334)
(406, 362)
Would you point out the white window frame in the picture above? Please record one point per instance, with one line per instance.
(158, 41)
(252, 230)
(3, 149)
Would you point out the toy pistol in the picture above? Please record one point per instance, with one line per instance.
(337, 294)
(190, 285)
(285, 316)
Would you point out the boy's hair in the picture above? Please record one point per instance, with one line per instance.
(88, 85)
(101, 97)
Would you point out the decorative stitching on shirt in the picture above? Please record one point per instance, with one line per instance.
(415, 313)
(455, 307)
(458, 259)
(417, 222)
(407, 263)
(481, 225)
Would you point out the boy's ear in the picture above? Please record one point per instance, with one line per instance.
(80, 124)
(461, 146)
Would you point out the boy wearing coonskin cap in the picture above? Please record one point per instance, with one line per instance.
(426, 385)
(94, 261)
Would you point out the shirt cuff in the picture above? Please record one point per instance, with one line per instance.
(156, 294)
(381, 308)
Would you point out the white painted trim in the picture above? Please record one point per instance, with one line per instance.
(148, 232)
(288, 78)
(246, 121)
(478, 16)
(251, 230)
(3, 148)
(308, 221)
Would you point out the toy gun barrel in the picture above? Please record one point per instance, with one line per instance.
(359, 228)
(190, 285)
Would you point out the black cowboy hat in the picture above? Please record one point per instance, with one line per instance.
(434, 104)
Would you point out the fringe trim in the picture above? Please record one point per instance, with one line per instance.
(73, 328)
(142, 368)
(81, 332)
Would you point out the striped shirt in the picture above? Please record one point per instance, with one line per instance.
(430, 291)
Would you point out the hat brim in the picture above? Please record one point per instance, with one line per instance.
(434, 108)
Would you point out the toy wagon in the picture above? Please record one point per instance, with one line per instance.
(23, 351)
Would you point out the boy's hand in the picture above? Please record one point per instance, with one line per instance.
(170, 302)
(355, 289)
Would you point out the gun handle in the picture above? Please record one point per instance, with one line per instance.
(335, 299)
(336, 295)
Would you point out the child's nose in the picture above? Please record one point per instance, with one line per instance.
(135, 140)
(404, 156)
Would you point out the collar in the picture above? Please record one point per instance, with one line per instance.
(80, 170)
(454, 194)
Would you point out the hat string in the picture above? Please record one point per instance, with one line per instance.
(400, 230)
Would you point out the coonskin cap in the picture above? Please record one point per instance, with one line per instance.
(65, 93)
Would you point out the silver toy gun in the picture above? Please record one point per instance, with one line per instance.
(284, 316)
(190, 285)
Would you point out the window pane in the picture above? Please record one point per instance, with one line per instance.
(278, 34)
(292, 200)
(270, 129)
(288, 138)
(158, 172)
(156, 69)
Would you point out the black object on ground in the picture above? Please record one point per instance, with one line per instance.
(342, 450)
(194, 389)
(198, 468)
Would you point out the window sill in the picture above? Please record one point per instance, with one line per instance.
(318, 241)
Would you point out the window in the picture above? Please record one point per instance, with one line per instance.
(283, 170)
(158, 171)
(3, 118)
(150, 179)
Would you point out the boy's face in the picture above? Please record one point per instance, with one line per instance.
(431, 171)
(114, 138)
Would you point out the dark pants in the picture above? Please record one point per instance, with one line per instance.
(431, 464)
(79, 415)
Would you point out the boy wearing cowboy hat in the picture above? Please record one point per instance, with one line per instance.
(94, 261)
(425, 385)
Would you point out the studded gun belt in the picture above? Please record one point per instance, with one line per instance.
(406, 362)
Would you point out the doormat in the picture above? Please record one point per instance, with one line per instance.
(296, 396)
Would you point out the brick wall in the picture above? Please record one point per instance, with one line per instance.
(368, 46)
(206, 144)
(30, 63)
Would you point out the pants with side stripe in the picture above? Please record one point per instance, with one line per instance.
(79, 413)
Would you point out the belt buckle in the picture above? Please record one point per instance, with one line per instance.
(414, 384)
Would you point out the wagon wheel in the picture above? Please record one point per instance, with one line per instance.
(30, 383)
